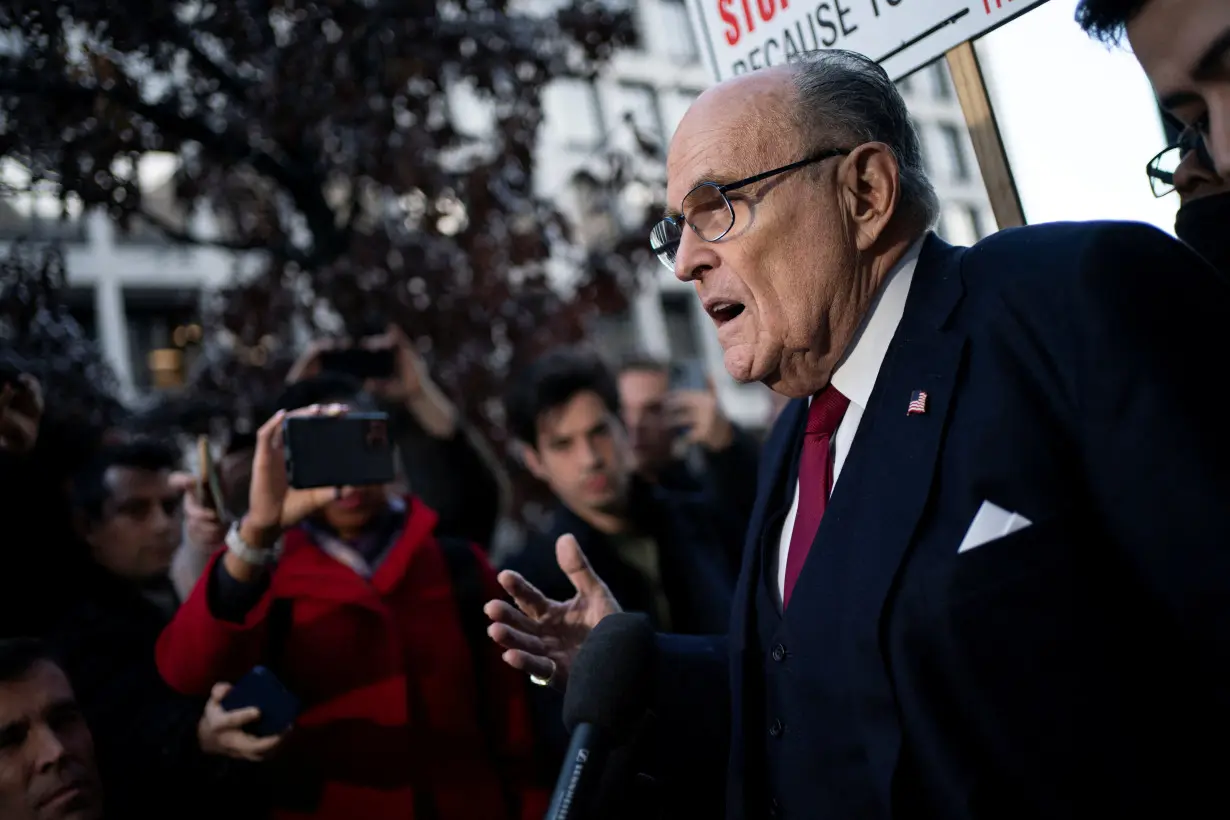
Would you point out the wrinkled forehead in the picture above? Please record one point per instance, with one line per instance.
(731, 131)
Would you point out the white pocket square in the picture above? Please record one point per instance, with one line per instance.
(991, 523)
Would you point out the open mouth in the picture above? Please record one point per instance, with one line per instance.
(723, 312)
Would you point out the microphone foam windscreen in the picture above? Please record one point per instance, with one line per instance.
(612, 677)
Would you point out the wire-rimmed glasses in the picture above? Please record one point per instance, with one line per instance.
(707, 210)
(1161, 169)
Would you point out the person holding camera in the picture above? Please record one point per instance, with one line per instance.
(372, 627)
(445, 462)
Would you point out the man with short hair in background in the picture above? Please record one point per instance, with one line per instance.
(47, 766)
(682, 440)
(127, 503)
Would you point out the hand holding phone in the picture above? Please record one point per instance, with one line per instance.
(245, 732)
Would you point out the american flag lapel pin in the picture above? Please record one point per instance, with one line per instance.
(918, 403)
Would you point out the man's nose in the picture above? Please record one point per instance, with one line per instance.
(49, 750)
(693, 257)
(1192, 174)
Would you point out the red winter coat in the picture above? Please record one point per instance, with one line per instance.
(385, 678)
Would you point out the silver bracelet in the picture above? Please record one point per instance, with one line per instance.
(249, 554)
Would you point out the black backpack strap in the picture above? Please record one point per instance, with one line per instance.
(470, 597)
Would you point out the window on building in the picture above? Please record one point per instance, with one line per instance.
(678, 309)
(957, 225)
(941, 80)
(635, 105)
(164, 333)
(81, 306)
(615, 334)
(977, 222)
(677, 37)
(572, 112)
(675, 103)
(953, 147)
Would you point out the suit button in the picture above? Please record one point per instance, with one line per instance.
(777, 728)
(779, 653)
(775, 809)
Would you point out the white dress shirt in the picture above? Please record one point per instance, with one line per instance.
(855, 377)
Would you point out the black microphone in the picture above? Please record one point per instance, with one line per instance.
(608, 693)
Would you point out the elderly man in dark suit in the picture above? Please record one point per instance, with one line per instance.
(988, 570)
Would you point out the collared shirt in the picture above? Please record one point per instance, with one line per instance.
(855, 377)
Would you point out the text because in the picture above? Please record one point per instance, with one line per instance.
(825, 25)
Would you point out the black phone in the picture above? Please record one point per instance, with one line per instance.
(688, 375)
(360, 362)
(262, 689)
(353, 450)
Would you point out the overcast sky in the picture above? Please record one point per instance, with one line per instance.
(1079, 121)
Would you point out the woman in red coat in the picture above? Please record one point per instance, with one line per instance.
(399, 718)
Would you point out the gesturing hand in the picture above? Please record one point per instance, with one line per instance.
(221, 732)
(541, 637)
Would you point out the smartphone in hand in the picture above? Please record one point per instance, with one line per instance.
(262, 689)
(688, 375)
(352, 450)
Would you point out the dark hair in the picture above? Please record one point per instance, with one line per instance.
(551, 382)
(89, 488)
(19, 655)
(846, 99)
(328, 388)
(1106, 20)
(643, 363)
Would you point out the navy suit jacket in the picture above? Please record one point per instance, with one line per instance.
(1078, 667)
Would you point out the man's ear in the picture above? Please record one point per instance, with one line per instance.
(529, 457)
(869, 181)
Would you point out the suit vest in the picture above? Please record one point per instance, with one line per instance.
(804, 747)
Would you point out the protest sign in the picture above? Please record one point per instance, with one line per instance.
(744, 35)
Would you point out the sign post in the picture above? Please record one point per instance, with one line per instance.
(901, 35)
(984, 133)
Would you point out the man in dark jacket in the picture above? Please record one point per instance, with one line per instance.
(662, 553)
(127, 505)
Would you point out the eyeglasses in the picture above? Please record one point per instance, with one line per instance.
(1161, 169)
(707, 210)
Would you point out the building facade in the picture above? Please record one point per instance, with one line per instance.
(140, 296)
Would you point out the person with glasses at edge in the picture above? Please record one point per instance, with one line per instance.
(987, 573)
(1204, 197)
(1184, 48)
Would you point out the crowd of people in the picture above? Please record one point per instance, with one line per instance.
(978, 568)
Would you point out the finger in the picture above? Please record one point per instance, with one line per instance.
(270, 432)
(251, 746)
(576, 566)
(505, 613)
(529, 664)
(510, 638)
(529, 600)
(238, 718)
(219, 691)
(182, 482)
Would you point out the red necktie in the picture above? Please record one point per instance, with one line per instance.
(815, 479)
